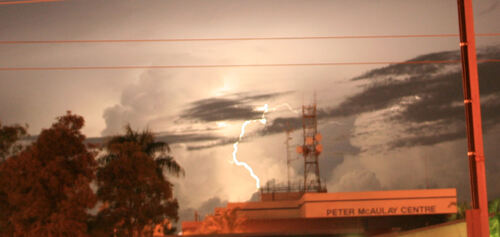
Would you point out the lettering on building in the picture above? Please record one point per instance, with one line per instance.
(380, 211)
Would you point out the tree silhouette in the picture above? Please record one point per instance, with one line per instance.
(47, 185)
(9, 135)
(223, 221)
(132, 185)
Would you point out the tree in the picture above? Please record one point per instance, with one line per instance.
(132, 184)
(494, 210)
(462, 207)
(9, 135)
(223, 221)
(47, 185)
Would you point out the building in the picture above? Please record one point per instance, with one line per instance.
(337, 214)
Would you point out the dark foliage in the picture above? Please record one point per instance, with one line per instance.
(135, 193)
(46, 189)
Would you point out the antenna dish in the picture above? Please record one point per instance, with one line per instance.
(300, 149)
(318, 137)
(319, 148)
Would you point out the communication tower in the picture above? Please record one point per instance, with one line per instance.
(311, 149)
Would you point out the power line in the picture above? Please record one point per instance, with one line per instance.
(238, 39)
(233, 65)
(28, 1)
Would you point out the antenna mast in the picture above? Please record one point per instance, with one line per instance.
(311, 149)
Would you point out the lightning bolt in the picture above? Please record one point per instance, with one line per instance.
(265, 109)
(263, 120)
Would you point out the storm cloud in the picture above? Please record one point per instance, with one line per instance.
(215, 109)
(425, 99)
(232, 107)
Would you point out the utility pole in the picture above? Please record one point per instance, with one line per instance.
(478, 220)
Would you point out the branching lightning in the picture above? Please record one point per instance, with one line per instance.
(262, 120)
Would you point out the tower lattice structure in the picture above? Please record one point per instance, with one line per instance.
(311, 149)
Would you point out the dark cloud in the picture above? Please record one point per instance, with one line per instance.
(281, 124)
(263, 96)
(425, 69)
(412, 69)
(217, 143)
(168, 138)
(220, 109)
(427, 98)
(278, 125)
(232, 107)
(428, 139)
(182, 138)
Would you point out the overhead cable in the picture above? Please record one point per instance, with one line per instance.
(90, 41)
(125, 67)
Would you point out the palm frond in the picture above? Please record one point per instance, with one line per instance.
(129, 136)
(156, 147)
(149, 146)
(168, 162)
